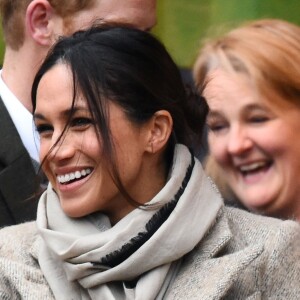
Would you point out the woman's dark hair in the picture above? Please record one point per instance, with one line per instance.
(132, 69)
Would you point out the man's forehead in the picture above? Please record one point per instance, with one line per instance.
(139, 13)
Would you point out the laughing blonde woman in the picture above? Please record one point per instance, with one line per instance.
(250, 78)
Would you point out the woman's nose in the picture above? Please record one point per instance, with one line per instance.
(63, 148)
(239, 142)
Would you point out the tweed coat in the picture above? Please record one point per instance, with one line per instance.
(242, 256)
(18, 179)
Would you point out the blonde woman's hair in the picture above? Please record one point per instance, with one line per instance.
(268, 51)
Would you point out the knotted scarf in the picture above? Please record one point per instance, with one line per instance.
(137, 258)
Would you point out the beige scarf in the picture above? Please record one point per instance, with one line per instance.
(139, 256)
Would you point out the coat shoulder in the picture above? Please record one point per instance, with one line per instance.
(21, 277)
(17, 241)
(242, 255)
(260, 229)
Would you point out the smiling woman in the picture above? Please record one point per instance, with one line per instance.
(253, 93)
(129, 212)
(76, 168)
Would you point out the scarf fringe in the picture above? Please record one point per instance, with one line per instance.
(118, 256)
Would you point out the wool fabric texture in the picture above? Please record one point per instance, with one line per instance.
(240, 256)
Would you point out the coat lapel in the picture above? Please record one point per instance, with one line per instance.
(18, 179)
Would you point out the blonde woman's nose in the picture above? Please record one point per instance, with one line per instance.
(239, 141)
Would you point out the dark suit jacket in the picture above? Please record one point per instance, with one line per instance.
(18, 179)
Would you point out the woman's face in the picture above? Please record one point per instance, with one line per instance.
(76, 167)
(257, 143)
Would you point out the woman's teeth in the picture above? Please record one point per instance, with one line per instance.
(73, 175)
(255, 167)
(251, 167)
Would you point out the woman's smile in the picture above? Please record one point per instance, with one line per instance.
(254, 172)
(72, 181)
(73, 176)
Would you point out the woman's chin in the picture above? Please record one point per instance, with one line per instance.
(258, 199)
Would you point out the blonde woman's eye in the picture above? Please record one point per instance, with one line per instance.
(259, 119)
(216, 127)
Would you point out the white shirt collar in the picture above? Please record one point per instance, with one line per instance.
(22, 119)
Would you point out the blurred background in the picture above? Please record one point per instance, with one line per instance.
(183, 24)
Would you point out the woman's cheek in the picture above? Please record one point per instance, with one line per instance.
(216, 147)
(44, 149)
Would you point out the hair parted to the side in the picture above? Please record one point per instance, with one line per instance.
(267, 51)
(114, 62)
(13, 16)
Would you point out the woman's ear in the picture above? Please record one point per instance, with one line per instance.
(38, 17)
(161, 128)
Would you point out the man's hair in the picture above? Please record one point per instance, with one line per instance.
(13, 16)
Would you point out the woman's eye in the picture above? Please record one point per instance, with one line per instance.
(81, 122)
(258, 119)
(216, 126)
(44, 128)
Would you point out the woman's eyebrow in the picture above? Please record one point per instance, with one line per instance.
(255, 107)
(38, 116)
(213, 114)
(64, 113)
